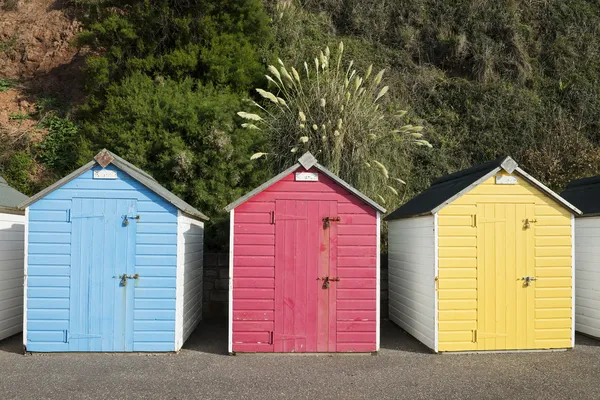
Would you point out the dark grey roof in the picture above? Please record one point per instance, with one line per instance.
(9, 197)
(141, 176)
(446, 189)
(307, 161)
(584, 194)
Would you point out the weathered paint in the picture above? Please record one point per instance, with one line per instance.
(77, 248)
(483, 304)
(11, 273)
(280, 306)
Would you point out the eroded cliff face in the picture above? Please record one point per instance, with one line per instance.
(39, 68)
(36, 56)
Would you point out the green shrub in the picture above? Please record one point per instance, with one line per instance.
(18, 117)
(6, 84)
(17, 170)
(219, 42)
(58, 150)
(184, 133)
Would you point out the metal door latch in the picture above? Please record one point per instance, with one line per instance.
(528, 279)
(124, 278)
(127, 218)
(327, 221)
(527, 223)
(326, 280)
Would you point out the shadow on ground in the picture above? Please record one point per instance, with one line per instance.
(395, 338)
(13, 344)
(211, 337)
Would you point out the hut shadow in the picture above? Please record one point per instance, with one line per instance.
(209, 337)
(585, 340)
(395, 338)
(12, 344)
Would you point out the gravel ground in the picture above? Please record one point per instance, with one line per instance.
(403, 369)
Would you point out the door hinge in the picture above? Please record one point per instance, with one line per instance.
(474, 220)
(474, 337)
(66, 336)
(68, 217)
(272, 217)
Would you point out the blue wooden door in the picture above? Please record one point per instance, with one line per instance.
(102, 251)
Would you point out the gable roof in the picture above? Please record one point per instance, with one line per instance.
(104, 158)
(9, 197)
(448, 188)
(307, 161)
(584, 194)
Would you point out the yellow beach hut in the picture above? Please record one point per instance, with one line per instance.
(483, 260)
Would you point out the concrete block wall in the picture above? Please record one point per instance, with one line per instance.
(216, 286)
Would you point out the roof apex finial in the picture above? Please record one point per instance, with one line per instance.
(509, 165)
(104, 158)
(307, 160)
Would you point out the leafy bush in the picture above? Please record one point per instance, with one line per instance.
(184, 134)
(6, 84)
(58, 150)
(338, 115)
(216, 41)
(16, 170)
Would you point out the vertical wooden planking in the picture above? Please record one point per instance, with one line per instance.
(530, 268)
(312, 284)
(323, 271)
(300, 273)
(521, 269)
(109, 266)
(119, 304)
(332, 291)
(96, 249)
(280, 231)
(500, 278)
(289, 266)
(509, 277)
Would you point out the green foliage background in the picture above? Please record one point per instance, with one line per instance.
(486, 78)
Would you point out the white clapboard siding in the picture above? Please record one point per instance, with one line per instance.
(587, 276)
(190, 251)
(411, 269)
(11, 274)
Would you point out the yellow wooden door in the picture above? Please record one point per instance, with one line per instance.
(505, 256)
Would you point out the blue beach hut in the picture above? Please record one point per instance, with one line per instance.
(113, 263)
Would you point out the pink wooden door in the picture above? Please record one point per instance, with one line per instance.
(305, 253)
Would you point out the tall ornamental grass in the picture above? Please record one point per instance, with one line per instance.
(329, 108)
